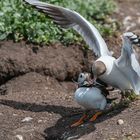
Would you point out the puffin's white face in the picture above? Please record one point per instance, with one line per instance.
(83, 77)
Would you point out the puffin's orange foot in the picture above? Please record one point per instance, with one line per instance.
(80, 121)
(94, 117)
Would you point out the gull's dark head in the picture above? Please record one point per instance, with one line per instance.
(98, 69)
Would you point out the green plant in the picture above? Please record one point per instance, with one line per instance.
(131, 96)
(19, 21)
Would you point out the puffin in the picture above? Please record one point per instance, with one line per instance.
(91, 96)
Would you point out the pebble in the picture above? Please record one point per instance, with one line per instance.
(112, 138)
(120, 122)
(19, 137)
(27, 119)
(40, 121)
(15, 114)
(138, 14)
(1, 114)
(46, 88)
(139, 20)
(128, 24)
(127, 20)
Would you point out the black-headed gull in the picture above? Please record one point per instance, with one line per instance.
(123, 72)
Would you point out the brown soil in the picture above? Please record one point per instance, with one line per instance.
(37, 82)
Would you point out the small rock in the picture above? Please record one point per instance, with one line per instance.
(127, 20)
(3, 90)
(15, 114)
(139, 20)
(27, 119)
(1, 114)
(19, 137)
(138, 14)
(120, 122)
(46, 88)
(40, 121)
(112, 139)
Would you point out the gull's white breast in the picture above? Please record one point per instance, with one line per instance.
(113, 76)
(90, 98)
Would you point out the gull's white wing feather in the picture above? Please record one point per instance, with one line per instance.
(129, 65)
(70, 19)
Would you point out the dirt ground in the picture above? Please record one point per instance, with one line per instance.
(36, 92)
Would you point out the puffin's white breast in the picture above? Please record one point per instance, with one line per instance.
(90, 98)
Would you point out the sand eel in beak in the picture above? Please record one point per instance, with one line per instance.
(84, 79)
(91, 97)
(123, 72)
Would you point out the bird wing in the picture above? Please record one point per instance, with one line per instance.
(70, 19)
(129, 65)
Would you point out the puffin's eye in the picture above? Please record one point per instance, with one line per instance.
(81, 76)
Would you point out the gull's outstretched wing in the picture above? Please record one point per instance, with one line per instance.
(70, 19)
(128, 63)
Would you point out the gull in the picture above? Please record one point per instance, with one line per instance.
(91, 97)
(122, 72)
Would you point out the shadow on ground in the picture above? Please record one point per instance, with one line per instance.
(62, 130)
